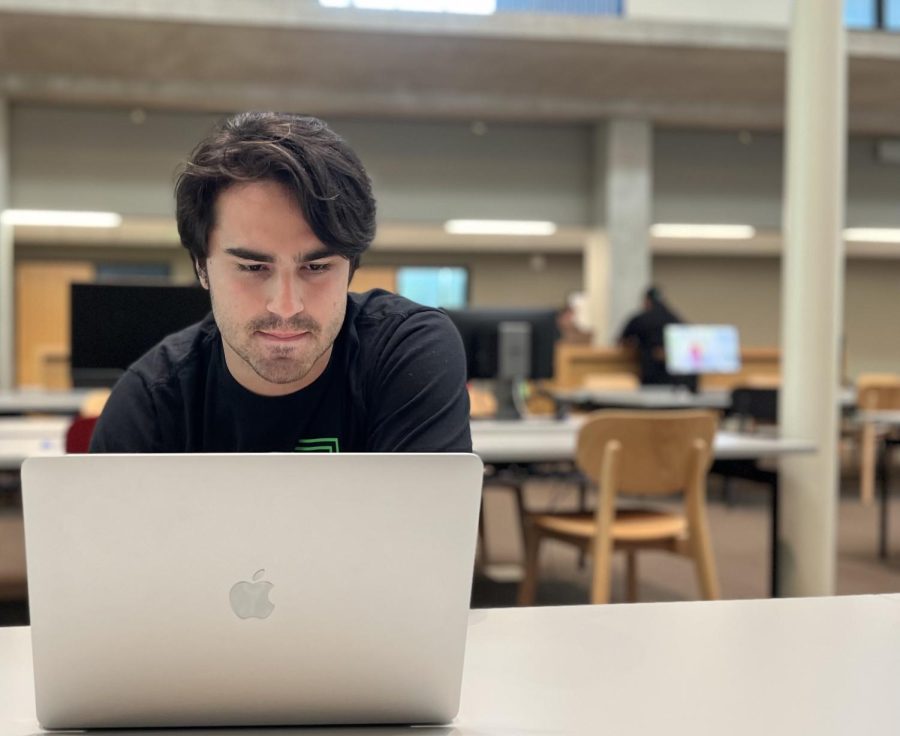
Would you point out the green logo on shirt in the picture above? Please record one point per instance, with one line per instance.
(321, 444)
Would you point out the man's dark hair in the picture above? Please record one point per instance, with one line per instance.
(302, 154)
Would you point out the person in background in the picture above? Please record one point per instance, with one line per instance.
(644, 333)
(276, 210)
(571, 330)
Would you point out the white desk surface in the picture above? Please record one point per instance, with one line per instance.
(883, 417)
(22, 437)
(52, 402)
(823, 666)
(653, 397)
(546, 440)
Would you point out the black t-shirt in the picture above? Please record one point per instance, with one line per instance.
(395, 382)
(646, 331)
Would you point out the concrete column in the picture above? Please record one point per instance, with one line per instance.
(7, 272)
(812, 292)
(622, 255)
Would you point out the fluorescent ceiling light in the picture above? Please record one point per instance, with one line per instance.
(713, 232)
(467, 7)
(872, 234)
(60, 218)
(499, 227)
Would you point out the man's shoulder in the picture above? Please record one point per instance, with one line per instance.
(379, 305)
(181, 351)
(378, 313)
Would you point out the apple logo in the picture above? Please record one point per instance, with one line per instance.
(251, 599)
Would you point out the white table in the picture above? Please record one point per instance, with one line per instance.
(824, 666)
(667, 397)
(22, 437)
(888, 419)
(647, 397)
(547, 440)
(37, 401)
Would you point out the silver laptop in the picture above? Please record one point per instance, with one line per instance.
(232, 590)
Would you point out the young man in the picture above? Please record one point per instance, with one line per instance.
(276, 210)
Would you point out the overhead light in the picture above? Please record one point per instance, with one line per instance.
(713, 232)
(60, 218)
(499, 227)
(872, 234)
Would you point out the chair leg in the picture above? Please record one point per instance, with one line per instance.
(631, 576)
(868, 451)
(528, 586)
(706, 564)
(602, 574)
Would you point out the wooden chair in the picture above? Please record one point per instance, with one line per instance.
(874, 391)
(635, 452)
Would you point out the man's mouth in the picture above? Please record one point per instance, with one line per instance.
(283, 336)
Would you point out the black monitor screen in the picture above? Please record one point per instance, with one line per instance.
(115, 324)
(481, 331)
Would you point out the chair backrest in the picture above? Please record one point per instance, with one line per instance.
(878, 391)
(658, 448)
(78, 436)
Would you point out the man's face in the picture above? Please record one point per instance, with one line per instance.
(278, 295)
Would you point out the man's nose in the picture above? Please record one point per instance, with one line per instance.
(286, 298)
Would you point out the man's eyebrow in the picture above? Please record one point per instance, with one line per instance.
(250, 255)
(315, 255)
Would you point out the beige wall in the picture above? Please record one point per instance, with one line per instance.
(742, 291)
(747, 292)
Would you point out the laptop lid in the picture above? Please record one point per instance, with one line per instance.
(227, 590)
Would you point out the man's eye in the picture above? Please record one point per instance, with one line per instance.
(252, 267)
(317, 267)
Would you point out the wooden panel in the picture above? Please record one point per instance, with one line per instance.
(574, 364)
(374, 277)
(42, 320)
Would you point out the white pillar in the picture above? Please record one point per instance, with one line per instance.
(812, 292)
(7, 273)
(622, 254)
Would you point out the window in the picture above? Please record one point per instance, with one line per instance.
(860, 14)
(443, 286)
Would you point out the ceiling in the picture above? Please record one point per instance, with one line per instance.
(222, 55)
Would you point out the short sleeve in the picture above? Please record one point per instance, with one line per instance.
(419, 383)
(128, 422)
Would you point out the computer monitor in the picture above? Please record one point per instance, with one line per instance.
(507, 346)
(700, 349)
(115, 324)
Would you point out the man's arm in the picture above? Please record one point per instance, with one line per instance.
(421, 402)
(128, 422)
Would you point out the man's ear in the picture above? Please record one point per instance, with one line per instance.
(200, 270)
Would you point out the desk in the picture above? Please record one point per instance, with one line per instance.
(888, 419)
(42, 402)
(824, 666)
(544, 440)
(666, 397)
(648, 397)
(22, 437)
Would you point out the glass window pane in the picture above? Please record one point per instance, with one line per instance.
(859, 13)
(892, 14)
